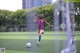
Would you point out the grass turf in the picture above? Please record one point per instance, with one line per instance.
(15, 42)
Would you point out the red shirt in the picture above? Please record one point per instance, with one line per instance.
(41, 24)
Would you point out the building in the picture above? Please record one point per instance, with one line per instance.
(26, 4)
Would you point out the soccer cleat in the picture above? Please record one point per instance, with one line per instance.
(38, 43)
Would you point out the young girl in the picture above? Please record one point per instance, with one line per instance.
(41, 22)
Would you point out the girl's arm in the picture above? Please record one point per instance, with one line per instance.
(48, 23)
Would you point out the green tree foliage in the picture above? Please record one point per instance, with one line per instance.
(12, 18)
(18, 17)
(77, 17)
(4, 18)
(4, 15)
(77, 20)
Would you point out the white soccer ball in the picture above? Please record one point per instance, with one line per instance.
(28, 45)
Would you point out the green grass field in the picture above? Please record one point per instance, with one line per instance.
(15, 42)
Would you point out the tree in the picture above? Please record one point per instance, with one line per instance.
(4, 18)
(18, 17)
(77, 9)
(4, 15)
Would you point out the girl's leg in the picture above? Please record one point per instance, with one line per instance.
(39, 34)
(39, 38)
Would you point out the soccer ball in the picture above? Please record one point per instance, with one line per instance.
(28, 45)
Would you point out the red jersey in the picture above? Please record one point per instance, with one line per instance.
(41, 24)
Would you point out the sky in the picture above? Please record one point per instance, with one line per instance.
(11, 5)
(53, 1)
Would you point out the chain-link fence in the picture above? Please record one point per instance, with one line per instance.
(21, 28)
(24, 28)
(13, 28)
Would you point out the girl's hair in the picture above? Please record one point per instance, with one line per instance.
(41, 16)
